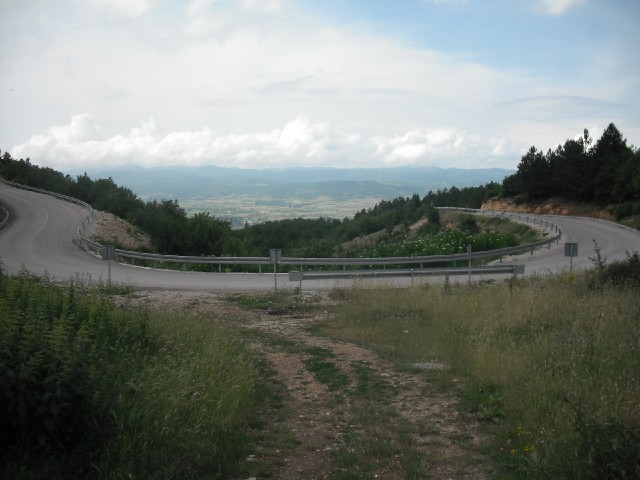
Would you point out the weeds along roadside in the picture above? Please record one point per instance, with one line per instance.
(94, 390)
(552, 365)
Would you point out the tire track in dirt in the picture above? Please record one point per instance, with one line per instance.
(324, 421)
(446, 439)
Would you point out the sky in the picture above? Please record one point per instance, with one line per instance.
(335, 83)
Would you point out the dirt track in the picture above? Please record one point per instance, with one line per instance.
(324, 421)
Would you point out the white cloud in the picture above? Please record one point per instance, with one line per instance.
(198, 7)
(263, 5)
(266, 82)
(123, 8)
(81, 129)
(214, 70)
(300, 142)
(300, 135)
(446, 147)
(557, 7)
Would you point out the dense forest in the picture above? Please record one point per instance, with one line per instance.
(606, 172)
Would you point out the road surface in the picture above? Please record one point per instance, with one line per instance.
(38, 238)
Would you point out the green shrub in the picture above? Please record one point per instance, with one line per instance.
(468, 224)
(95, 390)
(59, 359)
(445, 242)
(609, 449)
(619, 273)
(626, 209)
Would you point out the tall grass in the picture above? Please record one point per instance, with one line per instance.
(92, 390)
(555, 363)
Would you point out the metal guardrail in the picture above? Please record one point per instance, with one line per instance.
(299, 276)
(333, 262)
(355, 261)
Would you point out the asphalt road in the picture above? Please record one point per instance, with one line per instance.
(38, 237)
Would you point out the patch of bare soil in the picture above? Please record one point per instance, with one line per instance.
(320, 418)
(107, 229)
(550, 207)
(363, 241)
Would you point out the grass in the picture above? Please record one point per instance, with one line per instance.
(378, 437)
(325, 370)
(552, 364)
(92, 390)
(191, 405)
(278, 303)
(375, 437)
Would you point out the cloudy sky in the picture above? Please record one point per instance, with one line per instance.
(349, 83)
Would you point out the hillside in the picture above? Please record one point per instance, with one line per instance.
(107, 229)
(554, 206)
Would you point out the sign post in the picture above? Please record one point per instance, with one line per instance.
(571, 250)
(275, 255)
(108, 254)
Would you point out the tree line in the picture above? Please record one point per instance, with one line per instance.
(606, 171)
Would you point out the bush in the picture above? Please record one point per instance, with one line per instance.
(610, 450)
(626, 209)
(60, 354)
(445, 242)
(468, 224)
(95, 390)
(623, 273)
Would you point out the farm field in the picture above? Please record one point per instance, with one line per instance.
(245, 208)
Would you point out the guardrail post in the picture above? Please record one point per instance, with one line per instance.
(275, 255)
(469, 256)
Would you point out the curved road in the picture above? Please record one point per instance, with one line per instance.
(38, 237)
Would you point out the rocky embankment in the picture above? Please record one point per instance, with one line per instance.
(107, 229)
(550, 207)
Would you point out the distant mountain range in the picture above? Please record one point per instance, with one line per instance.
(250, 195)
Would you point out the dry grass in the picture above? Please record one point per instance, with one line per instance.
(554, 363)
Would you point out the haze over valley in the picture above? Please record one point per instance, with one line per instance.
(253, 196)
